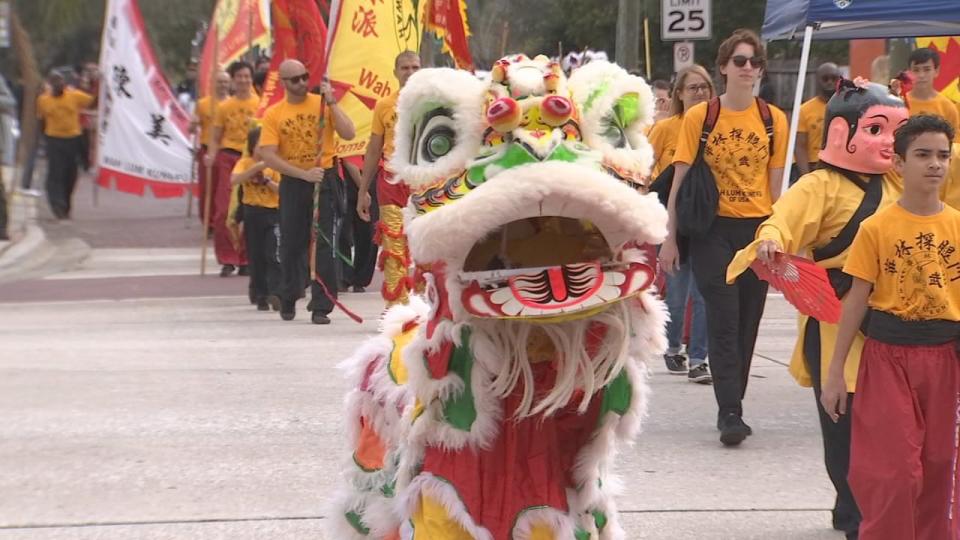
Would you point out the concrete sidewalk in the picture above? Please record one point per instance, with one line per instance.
(202, 418)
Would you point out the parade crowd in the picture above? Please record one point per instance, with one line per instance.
(875, 203)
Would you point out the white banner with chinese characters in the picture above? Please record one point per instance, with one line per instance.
(143, 133)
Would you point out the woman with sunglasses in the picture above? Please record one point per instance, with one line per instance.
(693, 85)
(748, 169)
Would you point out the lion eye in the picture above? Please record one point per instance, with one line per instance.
(435, 137)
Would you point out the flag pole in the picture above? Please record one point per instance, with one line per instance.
(214, 71)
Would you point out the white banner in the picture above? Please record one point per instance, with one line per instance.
(143, 132)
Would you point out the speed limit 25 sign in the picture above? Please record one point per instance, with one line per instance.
(685, 20)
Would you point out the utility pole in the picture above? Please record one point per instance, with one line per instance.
(628, 34)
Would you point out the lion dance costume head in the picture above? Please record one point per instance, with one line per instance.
(491, 407)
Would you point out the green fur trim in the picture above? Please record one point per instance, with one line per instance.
(627, 109)
(581, 534)
(460, 411)
(617, 396)
(356, 522)
(600, 519)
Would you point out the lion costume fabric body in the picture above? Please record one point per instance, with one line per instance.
(492, 407)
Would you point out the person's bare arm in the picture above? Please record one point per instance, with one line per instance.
(776, 183)
(342, 123)
(834, 395)
(274, 161)
(802, 154)
(371, 162)
(247, 174)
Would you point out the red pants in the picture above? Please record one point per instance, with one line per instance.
(904, 441)
(223, 244)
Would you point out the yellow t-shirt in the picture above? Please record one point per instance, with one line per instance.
(61, 114)
(384, 120)
(234, 117)
(294, 128)
(939, 105)
(204, 114)
(911, 261)
(812, 113)
(255, 194)
(663, 138)
(738, 154)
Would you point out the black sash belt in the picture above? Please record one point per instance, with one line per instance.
(891, 329)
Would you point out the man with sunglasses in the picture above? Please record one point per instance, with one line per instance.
(812, 112)
(299, 139)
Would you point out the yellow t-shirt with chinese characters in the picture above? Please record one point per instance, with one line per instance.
(384, 120)
(61, 114)
(204, 114)
(939, 105)
(812, 113)
(912, 262)
(294, 128)
(663, 137)
(234, 116)
(256, 194)
(738, 153)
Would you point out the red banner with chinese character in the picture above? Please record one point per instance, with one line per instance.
(300, 33)
(448, 20)
(237, 26)
(365, 38)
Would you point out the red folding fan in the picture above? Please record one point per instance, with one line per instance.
(803, 284)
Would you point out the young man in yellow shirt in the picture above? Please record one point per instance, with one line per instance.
(906, 271)
(812, 112)
(203, 119)
(391, 197)
(923, 98)
(231, 122)
(299, 140)
(59, 113)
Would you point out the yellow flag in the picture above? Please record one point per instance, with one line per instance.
(365, 37)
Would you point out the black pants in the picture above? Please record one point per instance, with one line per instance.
(296, 215)
(358, 235)
(836, 438)
(733, 311)
(261, 230)
(63, 157)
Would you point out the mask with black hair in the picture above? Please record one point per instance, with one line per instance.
(858, 127)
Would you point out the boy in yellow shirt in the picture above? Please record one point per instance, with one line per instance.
(260, 196)
(905, 269)
(923, 98)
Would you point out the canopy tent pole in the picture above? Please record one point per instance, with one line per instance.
(797, 101)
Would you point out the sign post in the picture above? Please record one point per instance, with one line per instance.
(4, 24)
(682, 55)
(682, 20)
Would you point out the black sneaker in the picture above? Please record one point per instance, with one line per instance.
(262, 304)
(720, 424)
(700, 374)
(243, 270)
(319, 318)
(227, 270)
(273, 302)
(732, 430)
(288, 310)
(676, 364)
(359, 289)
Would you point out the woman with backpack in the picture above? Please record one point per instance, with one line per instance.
(693, 85)
(728, 172)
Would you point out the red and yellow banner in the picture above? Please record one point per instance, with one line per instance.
(365, 38)
(447, 19)
(299, 32)
(237, 26)
(949, 49)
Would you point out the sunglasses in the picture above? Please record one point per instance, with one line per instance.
(302, 78)
(755, 61)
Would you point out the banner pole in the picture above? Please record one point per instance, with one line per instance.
(214, 70)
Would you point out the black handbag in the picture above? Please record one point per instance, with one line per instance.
(698, 196)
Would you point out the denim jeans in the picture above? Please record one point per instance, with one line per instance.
(680, 287)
